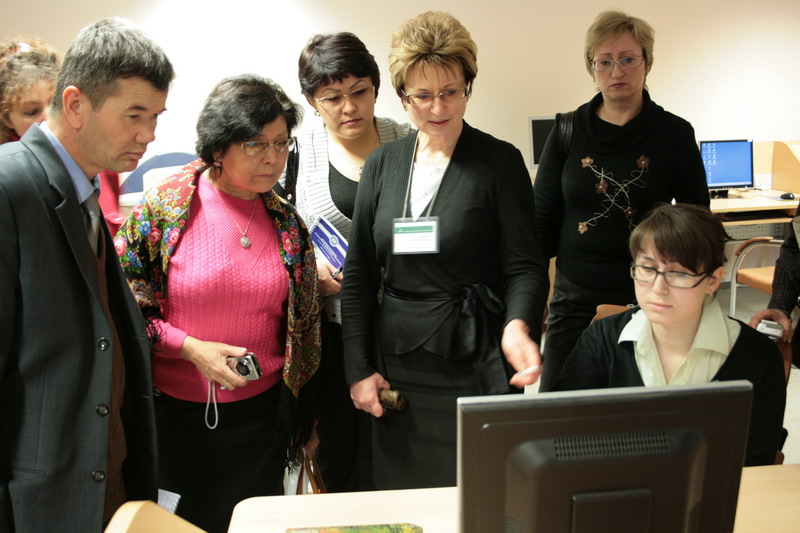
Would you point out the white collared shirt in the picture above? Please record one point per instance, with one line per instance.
(712, 343)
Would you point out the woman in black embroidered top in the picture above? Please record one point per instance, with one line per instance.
(454, 319)
(625, 156)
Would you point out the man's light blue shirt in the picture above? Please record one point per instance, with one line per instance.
(83, 186)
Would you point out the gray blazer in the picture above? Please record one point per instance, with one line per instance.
(55, 354)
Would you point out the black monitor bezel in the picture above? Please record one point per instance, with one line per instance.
(479, 483)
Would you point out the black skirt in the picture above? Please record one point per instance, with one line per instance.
(213, 470)
(416, 448)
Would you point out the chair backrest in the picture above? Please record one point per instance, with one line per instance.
(604, 310)
(134, 182)
(147, 517)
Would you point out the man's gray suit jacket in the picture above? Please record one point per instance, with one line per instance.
(56, 354)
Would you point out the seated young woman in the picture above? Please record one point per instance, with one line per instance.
(679, 334)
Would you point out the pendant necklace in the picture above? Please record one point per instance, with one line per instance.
(245, 240)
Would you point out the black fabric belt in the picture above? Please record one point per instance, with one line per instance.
(476, 333)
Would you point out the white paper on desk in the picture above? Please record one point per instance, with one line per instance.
(168, 500)
(329, 242)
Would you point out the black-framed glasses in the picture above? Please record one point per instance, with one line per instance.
(604, 65)
(263, 147)
(674, 278)
(426, 99)
(358, 96)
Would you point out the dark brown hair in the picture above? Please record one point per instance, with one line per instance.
(690, 235)
(329, 58)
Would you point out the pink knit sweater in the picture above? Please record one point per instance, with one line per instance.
(219, 291)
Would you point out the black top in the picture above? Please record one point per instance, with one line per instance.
(786, 281)
(588, 203)
(600, 361)
(343, 191)
(486, 237)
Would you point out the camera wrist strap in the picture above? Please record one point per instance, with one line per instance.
(212, 397)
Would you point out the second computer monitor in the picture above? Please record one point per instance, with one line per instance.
(728, 164)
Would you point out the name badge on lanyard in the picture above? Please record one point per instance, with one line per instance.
(416, 236)
(420, 236)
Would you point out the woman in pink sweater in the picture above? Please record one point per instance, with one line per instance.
(222, 267)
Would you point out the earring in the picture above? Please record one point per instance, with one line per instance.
(316, 112)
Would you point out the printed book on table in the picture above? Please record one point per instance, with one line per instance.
(379, 528)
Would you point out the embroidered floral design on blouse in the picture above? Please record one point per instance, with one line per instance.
(615, 194)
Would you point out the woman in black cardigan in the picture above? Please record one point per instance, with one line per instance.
(680, 335)
(440, 231)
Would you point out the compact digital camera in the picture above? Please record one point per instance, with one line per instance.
(771, 329)
(246, 366)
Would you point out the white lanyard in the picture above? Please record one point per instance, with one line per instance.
(416, 236)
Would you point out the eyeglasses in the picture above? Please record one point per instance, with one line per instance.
(262, 147)
(357, 97)
(604, 65)
(426, 99)
(678, 280)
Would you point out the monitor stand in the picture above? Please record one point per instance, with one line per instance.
(718, 193)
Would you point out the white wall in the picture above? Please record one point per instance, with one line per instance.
(730, 68)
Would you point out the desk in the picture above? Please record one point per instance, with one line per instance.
(768, 202)
(768, 502)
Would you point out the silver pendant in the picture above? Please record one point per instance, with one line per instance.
(245, 241)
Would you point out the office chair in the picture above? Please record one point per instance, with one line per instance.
(135, 180)
(604, 310)
(147, 517)
(759, 278)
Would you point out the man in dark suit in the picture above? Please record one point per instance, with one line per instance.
(77, 430)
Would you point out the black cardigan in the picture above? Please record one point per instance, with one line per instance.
(484, 206)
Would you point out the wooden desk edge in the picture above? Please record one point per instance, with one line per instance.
(767, 502)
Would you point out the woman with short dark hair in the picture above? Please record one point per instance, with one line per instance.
(679, 334)
(340, 80)
(224, 273)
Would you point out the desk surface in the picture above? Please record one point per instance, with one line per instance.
(754, 201)
(768, 502)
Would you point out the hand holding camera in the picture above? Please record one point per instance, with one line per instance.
(215, 362)
(246, 366)
(771, 329)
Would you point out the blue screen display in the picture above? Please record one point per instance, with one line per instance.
(728, 164)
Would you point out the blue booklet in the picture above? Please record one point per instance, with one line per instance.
(329, 242)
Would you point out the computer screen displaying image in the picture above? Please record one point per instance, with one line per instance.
(728, 164)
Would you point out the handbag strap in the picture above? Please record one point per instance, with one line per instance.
(292, 167)
(309, 469)
(564, 121)
(314, 475)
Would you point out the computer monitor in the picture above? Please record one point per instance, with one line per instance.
(728, 164)
(638, 459)
(540, 128)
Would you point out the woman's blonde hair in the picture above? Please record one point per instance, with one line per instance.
(612, 24)
(432, 38)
